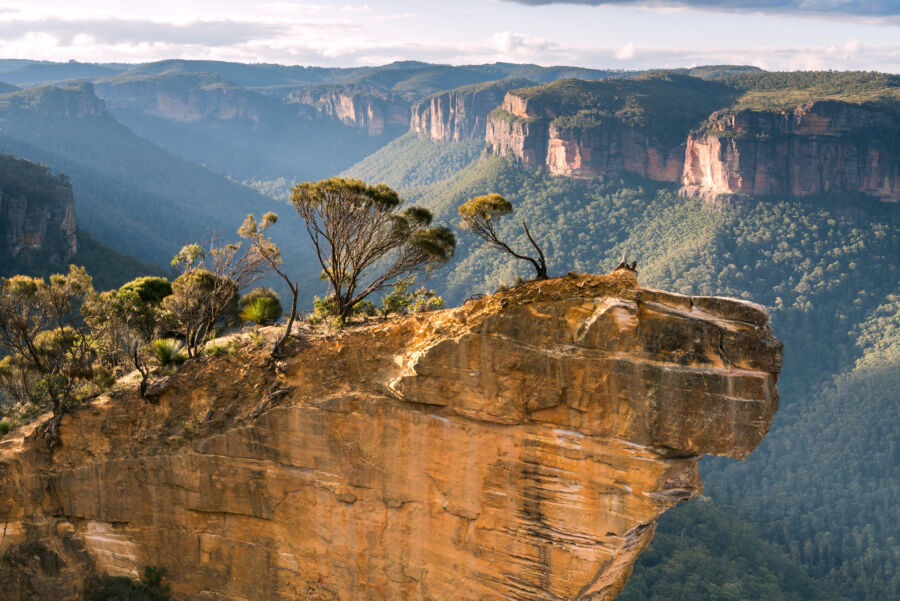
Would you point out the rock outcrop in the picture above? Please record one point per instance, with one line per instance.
(518, 447)
(462, 113)
(823, 146)
(76, 100)
(533, 133)
(184, 97)
(37, 215)
(372, 111)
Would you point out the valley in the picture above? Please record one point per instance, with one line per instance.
(777, 188)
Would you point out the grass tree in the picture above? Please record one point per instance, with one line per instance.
(480, 214)
(365, 239)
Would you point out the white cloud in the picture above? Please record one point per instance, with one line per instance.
(626, 52)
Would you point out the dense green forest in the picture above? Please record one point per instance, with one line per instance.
(813, 513)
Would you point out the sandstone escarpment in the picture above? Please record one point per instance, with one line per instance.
(372, 111)
(824, 146)
(185, 98)
(611, 149)
(519, 447)
(529, 131)
(37, 215)
(77, 100)
(461, 113)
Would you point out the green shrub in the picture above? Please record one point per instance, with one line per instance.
(258, 293)
(322, 309)
(151, 290)
(365, 307)
(402, 301)
(262, 311)
(104, 377)
(168, 351)
(5, 427)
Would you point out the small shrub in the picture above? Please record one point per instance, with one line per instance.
(262, 311)
(258, 293)
(168, 351)
(104, 377)
(5, 427)
(214, 350)
(365, 307)
(261, 306)
(322, 308)
(427, 300)
(402, 301)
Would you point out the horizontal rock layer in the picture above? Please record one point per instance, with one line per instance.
(461, 113)
(370, 111)
(519, 447)
(815, 148)
(818, 147)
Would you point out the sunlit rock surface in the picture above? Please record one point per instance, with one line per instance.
(518, 447)
(823, 146)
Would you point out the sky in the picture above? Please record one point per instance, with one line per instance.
(617, 34)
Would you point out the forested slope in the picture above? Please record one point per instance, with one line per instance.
(813, 512)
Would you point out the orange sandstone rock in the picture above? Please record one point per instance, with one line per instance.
(518, 447)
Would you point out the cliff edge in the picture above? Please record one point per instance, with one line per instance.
(518, 447)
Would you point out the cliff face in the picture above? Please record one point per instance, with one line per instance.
(528, 131)
(37, 215)
(818, 147)
(461, 113)
(182, 98)
(519, 447)
(611, 149)
(370, 111)
(77, 100)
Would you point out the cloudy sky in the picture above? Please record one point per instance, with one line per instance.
(627, 34)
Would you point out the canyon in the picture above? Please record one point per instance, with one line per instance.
(520, 446)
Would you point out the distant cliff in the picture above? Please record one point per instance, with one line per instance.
(636, 126)
(372, 110)
(37, 215)
(183, 97)
(653, 127)
(461, 113)
(518, 447)
(77, 100)
(823, 146)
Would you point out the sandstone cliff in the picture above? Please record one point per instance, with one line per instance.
(461, 113)
(370, 110)
(824, 146)
(519, 447)
(77, 100)
(535, 137)
(183, 97)
(37, 215)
